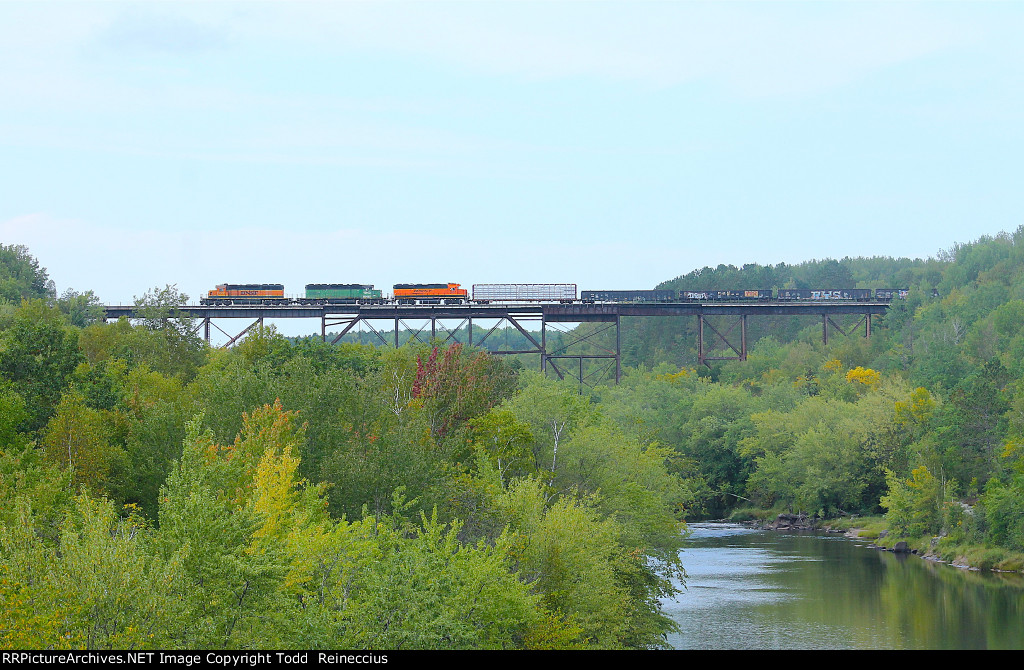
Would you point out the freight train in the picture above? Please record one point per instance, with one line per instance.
(451, 293)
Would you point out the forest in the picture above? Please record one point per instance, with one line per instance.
(156, 493)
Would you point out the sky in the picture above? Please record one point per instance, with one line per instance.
(613, 145)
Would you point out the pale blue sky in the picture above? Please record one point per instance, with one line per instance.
(610, 144)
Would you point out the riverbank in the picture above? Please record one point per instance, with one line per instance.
(940, 549)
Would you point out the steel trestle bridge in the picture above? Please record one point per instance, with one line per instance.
(538, 316)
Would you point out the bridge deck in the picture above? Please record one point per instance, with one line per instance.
(575, 312)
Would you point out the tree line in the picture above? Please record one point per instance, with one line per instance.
(156, 493)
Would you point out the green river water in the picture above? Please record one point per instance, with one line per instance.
(754, 589)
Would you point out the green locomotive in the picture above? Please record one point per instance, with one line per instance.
(342, 294)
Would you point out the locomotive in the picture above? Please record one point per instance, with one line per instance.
(429, 294)
(246, 294)
(451, 293)
(341, 294)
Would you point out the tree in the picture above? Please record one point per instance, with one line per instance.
(219, 504)
(429, 591)
(21, 278)
(573, 558)
(38, 354)
(828, 273)
(81, 309)
(157, 309)
(100, 586)
(165, 345)
(973, 425)
(552, 410)
(150, 421)
(172, 346)
(506, 441)
(455, 385)
(76, 439)
(914, 505)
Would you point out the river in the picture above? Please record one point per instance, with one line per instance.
(755, 589)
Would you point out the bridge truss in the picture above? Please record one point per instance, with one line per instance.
(721, 327)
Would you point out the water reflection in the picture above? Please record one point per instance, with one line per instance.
(751, 589)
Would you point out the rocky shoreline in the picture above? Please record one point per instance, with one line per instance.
(787, 522)
(798, 522)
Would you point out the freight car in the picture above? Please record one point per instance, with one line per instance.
(246, 294)
(429, 294)
(341, 294)
(844, 294)
(891, 293)
(654, 295)
(730, 295)
(486, 293)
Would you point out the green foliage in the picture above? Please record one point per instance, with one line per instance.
(358, 359)
(151, 421)
(100, 586)
(167, 340)
(506, 441)
(972, 423)
(26, 478)
(264, 344)
(77, 439)
(552, 411)
(224, 506)
(38, 354)
(1003, 501)
(169, 351)
(914, 505)
(81, 309)
(1003, 505)
(436, 497)
(574, 558)
(428, 590)
(21, 278)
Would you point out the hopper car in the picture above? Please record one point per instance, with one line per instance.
(803, 294)
(655, 295)
(732, 295)
(891, 293)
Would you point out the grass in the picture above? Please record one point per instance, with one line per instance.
(980, 556)
(868, 527)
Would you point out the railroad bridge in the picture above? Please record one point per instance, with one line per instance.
(533, 320)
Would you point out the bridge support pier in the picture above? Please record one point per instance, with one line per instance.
(702, 353)
(827, 320)
(595, 352)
